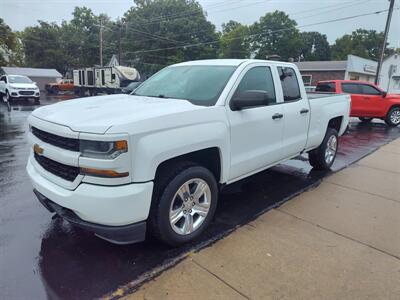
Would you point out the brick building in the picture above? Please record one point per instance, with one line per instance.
(354, 68)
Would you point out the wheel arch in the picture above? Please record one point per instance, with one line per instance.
(209, 158)
(335, 123)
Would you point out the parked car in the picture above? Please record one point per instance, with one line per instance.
(368, 101)
(131, 87)
(18, 87)
(116, 165)
(61, 85)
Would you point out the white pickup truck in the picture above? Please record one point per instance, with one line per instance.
(154, 161)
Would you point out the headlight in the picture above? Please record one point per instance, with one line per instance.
(103, 150)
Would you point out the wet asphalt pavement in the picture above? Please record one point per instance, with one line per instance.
(41, 257)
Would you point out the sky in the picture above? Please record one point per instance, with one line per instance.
(19, 14)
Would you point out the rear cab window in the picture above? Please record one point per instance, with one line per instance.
(326, 87)
(289, 83)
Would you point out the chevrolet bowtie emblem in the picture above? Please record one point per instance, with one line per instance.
(37, 149)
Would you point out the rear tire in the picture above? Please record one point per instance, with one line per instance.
(393, 117)
(323, 157)
(365, 119)
(178, 215)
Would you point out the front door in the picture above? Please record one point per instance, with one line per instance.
(256, 133)
(372, 101)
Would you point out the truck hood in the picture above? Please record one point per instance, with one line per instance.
(23, 85)
(98, 114)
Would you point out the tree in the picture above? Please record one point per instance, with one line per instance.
(43, 46)
(315, 46)
(81, 38)
(169, 25)
(361, 42)
(234, 42)
(9, 45)
(74, 44)
(276, 34)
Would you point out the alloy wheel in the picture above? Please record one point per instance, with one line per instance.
(395, 117)
(331, 149)
(190, 206)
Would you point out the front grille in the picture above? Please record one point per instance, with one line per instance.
(56, 140)
(26, 93)
(66, 172)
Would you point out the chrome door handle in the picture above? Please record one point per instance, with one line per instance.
(277, 116)
(304, 111)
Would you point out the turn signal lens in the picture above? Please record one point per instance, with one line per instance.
(103, 173)
(121, 145)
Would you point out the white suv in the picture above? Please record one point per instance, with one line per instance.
(18, 87)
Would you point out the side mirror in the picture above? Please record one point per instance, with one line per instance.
(247, 99)
(384, 94)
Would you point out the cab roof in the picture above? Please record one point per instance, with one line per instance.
(228, 62)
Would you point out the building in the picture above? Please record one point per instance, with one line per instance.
(389, 78)
(40, 76)
(354, 68)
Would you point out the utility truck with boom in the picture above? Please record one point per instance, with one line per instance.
(153, 161)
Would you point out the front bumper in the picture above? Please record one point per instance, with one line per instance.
(121, 235)
(97, 205)
(23, 94)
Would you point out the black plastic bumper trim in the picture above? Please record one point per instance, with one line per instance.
(121, 235)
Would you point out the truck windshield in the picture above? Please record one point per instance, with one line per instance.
(201, 85)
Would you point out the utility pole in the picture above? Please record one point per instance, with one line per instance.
(119, 43)
(382, 53)
(101, 42)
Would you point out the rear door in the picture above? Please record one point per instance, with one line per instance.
(296, 111)
(256, 132)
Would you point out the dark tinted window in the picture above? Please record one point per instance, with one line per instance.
(3, 79)
(258, 79)
(351, 88)
(369, 90)
(326, 87)
(290, 84)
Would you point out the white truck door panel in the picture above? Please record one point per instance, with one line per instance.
(296, 110)
(256, 137)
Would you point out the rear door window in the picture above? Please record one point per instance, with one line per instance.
(329, 87)
(290, 84)
(351, 88)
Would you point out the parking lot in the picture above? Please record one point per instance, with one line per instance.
(41, 256)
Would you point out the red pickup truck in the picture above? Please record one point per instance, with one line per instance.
(368, 101)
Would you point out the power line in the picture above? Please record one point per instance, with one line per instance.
(268, 32)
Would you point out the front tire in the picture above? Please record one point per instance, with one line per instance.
(393, 117)
(8, 97)
(55, 90)
(323, 157)
(184, 202)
